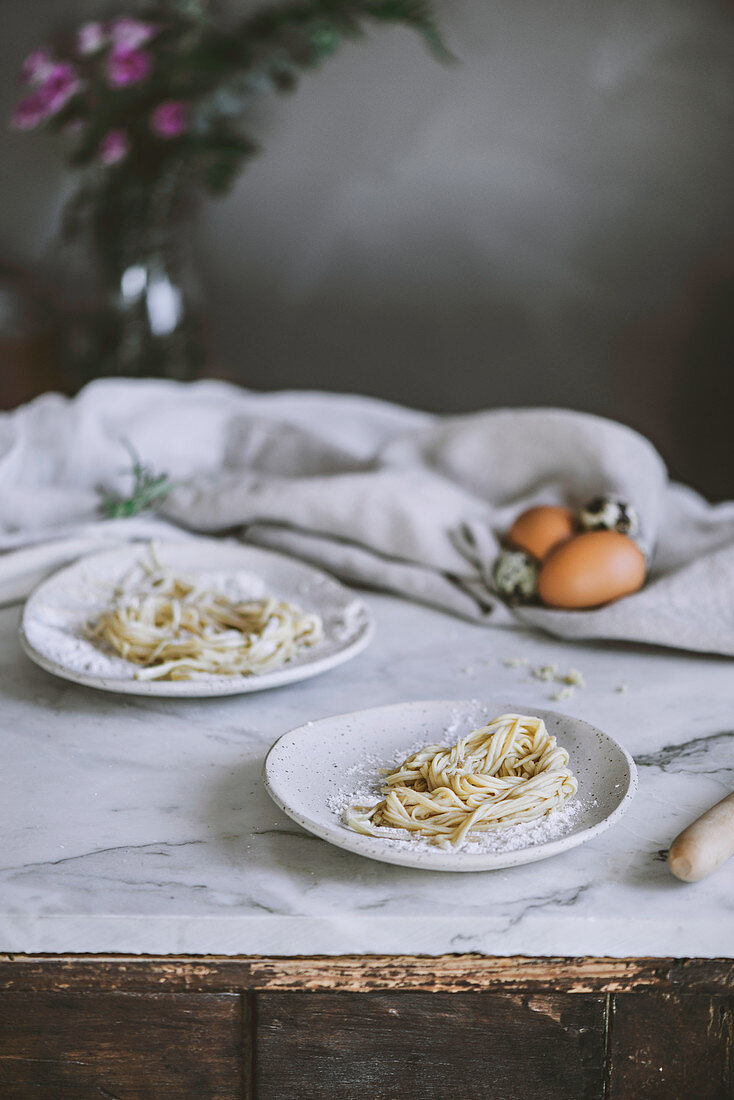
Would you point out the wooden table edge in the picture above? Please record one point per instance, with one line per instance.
(360, 973)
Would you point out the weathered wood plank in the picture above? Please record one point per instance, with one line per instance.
(666, 1046)
(93, 1045)
(361, 974)
(347, 1046)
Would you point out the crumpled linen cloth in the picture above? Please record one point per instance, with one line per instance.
(377, 494)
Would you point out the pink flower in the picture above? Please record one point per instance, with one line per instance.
(36, 67)
(90, 38)
(59, 85)
(29, 112)
(114, 147)
(130, 33)
(127, 66)
(169, 119)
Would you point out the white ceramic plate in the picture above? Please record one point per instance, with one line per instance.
(52, 629)
(312, 767)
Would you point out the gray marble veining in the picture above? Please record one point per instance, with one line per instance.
(142, 825)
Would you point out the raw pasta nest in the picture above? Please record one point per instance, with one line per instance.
(177, 628)
(509, 771)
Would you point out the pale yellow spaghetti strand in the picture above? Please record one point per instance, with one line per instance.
(509, 771)
(175, 628)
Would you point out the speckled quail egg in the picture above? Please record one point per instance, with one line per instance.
(515, 575)
(604, 513)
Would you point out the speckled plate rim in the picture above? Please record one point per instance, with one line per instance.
(251, 558)
(316, 735)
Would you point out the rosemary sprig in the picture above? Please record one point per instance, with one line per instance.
(148, 490)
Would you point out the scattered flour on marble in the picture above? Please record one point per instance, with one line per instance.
(570, 680)
(545, 672)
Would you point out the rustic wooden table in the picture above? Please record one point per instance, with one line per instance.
(168, 933)
(356, 1027)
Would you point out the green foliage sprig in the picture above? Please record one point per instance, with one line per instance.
(148, 490)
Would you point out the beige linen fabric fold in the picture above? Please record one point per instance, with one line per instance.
(380, 495)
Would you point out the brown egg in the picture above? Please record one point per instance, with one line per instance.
(539, 529)
(590, 570)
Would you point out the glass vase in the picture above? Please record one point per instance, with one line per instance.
(145, 317)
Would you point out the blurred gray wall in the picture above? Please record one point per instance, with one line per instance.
(550, 221)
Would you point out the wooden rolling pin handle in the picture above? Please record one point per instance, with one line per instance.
(704, 845)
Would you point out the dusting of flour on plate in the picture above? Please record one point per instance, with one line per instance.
(57, 616)
(362, 786)
(61, 632)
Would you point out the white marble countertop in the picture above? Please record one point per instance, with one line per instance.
(142, 825)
